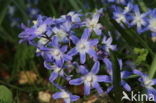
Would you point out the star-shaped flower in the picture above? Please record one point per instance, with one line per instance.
(138, 19)
(93, 24)
(83, 46)
(68, 97)
(90, 79)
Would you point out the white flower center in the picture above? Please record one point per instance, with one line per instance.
(139, 21)
(147, 82)
(65, 95)
(57, 69)
(61, 34)
(43, 41)
(90, 78)
(121, 18)
(82, 46)
(152, 24)
(56, 53)
(92, 24)
(41, 29)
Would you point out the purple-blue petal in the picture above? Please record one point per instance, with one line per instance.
(72, 52)
(82, 58)
(108, 64)
(92, 53)
(95, 68)
(74, 39)
(93, 42)
(83, 70)
(109, 89)
(154, 81)
(98, 88)
(77, 81)
(64, 48)
(86, 34)
(74, 97)
(125, 85)
(137, 72)
(53, 76)
(98, 31)
(67, 57)
(125, 74)
(87, 87)
(57, 95)
(104, 78)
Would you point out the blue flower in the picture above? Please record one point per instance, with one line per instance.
(152, 22)
(74, 16)
(128, 8)
(146, 82)
(38, 30)
(138, 19)
(90, 79)
(60, 33)
(120, 16)
(83, 46)
(68, 97)
(56, 53)
(108, 44)
(93, 24)
(57, 71)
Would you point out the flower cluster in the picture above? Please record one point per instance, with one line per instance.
(75, 48)
(133, 16)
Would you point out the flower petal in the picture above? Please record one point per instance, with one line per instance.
(125, 74)
(98, 31)
(86, 34)
(109, 89)
(67, 58)
(125, 85)
(77, 81)
(74, 97)
(98, 88)
(74, 39)
(104, 78)
(64, 48)
(72, 52)
(93, 42)
(87, 87)
(137, 72)
(92, 53)
(108, 64)
(154, 81)
(67, 100)
(53, 76)
(82, 58)
(95, 68)
(83, 70)
(57, 95)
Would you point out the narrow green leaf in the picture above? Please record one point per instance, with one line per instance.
(116, 78)
(74, 4)
(3, 9)
(153, 68)
(5, 95)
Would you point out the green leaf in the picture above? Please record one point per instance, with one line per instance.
(153, 68)
(116, 78)
(74, 4)
(141, 55)
(5, 95)
(3, 9)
